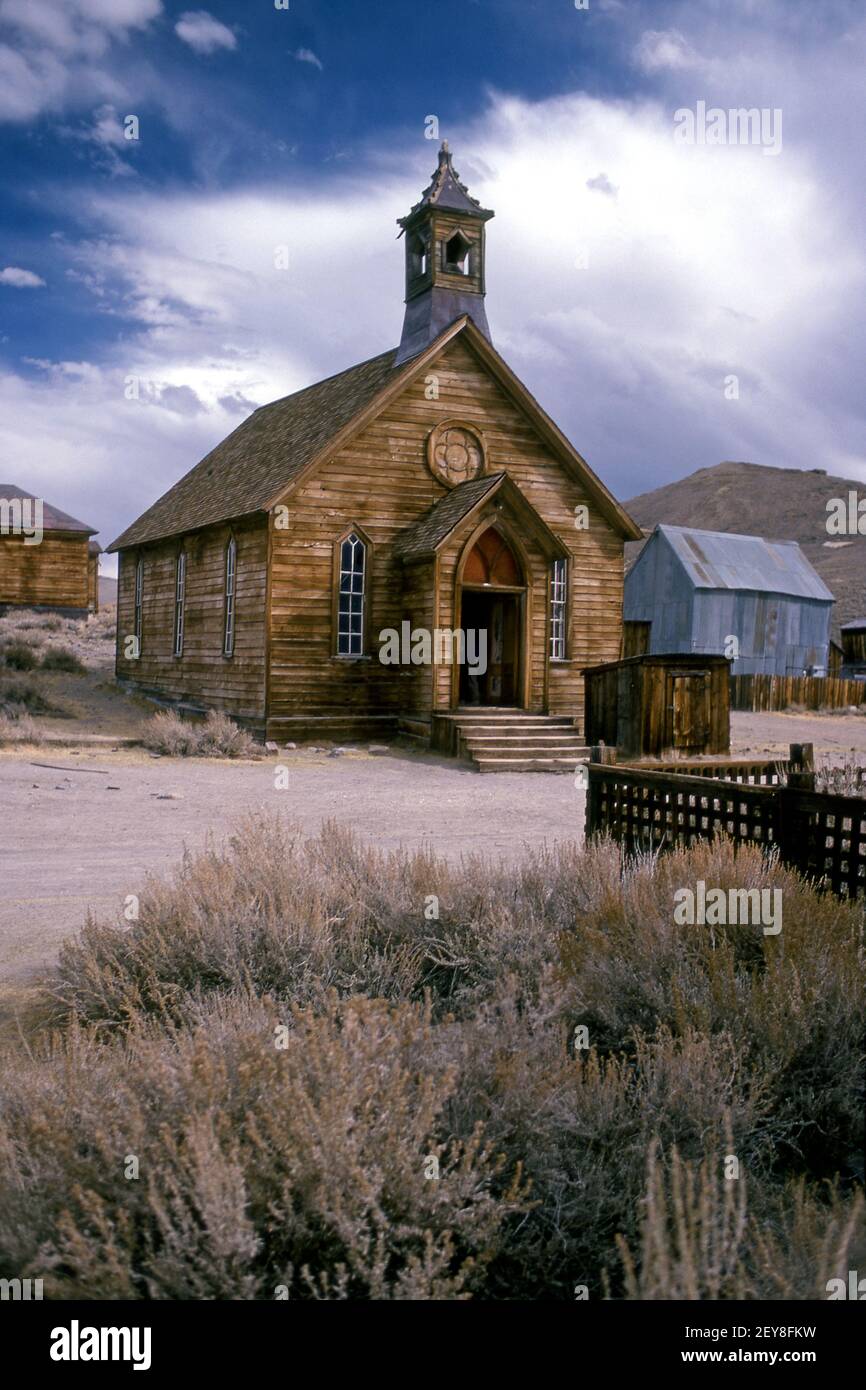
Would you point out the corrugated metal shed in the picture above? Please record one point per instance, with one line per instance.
(759, 602)
(718, 560)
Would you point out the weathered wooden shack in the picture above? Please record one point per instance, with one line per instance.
(854, 648)
(646, 706)
(419, 495)
(756, 601)
(48, 559)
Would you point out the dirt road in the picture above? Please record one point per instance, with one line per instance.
(73, 840)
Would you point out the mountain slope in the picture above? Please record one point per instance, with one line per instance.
(777, 503)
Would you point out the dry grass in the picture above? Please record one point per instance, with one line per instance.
(216, 737)
(25, 695)
(29, 639)
(62, 659)
(19, 729)
(429, 1012)
(18, 656)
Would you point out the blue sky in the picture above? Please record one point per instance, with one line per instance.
(630, 277)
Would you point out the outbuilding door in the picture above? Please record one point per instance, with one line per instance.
(688, 707)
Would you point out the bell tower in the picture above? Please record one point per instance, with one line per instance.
(444, 260)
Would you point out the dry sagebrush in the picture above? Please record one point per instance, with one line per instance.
(413, 1035)
(216, 737)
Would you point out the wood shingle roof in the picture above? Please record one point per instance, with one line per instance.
(53, 519)
(419, 541)
(267, 454)
(242, 474)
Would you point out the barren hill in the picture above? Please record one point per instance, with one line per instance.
(778, 503)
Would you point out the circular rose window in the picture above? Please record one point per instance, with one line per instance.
(455, 454)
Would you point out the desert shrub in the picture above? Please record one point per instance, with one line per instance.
(700, 1242)
(299, 1165)
(288, 914)
(847, 780)
(217, 737)
(18, 656)
(62, 659)
(18, 730)
(99, 627)
(19, 696)
(28, 620)
(791, 1002)
(454, 1033)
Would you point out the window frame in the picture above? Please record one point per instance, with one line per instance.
(179, 602)
(353, 532)
(230, 581)
(557, 629)
(138, 602)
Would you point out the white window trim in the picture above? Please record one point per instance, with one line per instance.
(179, 602)
(558, 634)
(138, 599)
(230, 596)
(355, 641)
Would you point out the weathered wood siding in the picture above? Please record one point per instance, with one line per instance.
(380, 484)
(649, 705)
(53, 573)
(202, 675)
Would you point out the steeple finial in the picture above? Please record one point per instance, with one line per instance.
(444, 259)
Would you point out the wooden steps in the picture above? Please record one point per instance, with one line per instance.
(512, 741)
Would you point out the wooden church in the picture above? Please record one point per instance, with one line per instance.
(423, 494)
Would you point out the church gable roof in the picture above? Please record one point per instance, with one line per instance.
(263, 455)
(431, 531)
(421, 540)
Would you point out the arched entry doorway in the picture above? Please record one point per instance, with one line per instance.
(492, 605)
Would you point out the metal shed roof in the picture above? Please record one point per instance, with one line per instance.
(720, 560)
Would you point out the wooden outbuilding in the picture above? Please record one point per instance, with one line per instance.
(647, 706)
(854, 648)
(758, 602)
(48, 559)
(317, 573)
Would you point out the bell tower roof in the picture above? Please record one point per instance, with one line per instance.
(446, 190)
(445, 259)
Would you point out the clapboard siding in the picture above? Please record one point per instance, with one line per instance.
(202, 675)
(380, 484)
(54, 573)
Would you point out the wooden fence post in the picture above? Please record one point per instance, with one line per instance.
(801, 767)
(600, 753)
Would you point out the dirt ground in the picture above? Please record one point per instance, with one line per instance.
(80, 834)
(83, 833)
(837, 737)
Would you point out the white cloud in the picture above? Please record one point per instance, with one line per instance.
(665, 48)
(77, 26)
(709, 262)
(20, 279)
(306, 55)
(204, 33)
(28, 84)
(54, 50)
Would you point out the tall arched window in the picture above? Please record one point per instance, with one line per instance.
(139, 594)
(231, 574)
(558, 609)
(351, 598)
(179, 602)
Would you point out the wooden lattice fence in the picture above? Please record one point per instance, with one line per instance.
(822, 836)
